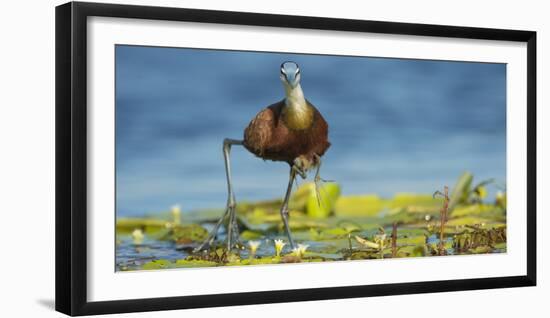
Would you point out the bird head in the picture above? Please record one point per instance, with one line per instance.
(290, 74)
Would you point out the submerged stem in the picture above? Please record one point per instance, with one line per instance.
(443, 217)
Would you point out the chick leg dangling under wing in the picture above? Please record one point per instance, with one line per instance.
(317, 180)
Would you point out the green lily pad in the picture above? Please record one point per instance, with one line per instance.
(360, 205)
(415, 202)
(258, 261)
(158, 264)
(194, 263)
(189, 233)
(324, 256)
(147, 225)
(322, 206)
(461, 190)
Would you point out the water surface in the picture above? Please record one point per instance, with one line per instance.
(395, 125)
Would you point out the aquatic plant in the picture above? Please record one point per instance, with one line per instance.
(500, 199)
(176, 214)
(300, 250)
(279, 244)
(465, 194)
(475, 239)
(380, 239)
(394, 240)
(443, 219)
(253, 246)
(137, 236)
(367, 243)
(406, 225)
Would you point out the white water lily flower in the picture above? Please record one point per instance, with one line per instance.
(137, 236)
(253, 245)
(279, 244)
(302, 249)
(380, 240)
(296, 252)
(176, 213)
(427, 218)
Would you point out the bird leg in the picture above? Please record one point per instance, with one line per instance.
(301, 166)
(212, 236)
(284, 207)
(230, 211)
(298, 170)
(317, 180)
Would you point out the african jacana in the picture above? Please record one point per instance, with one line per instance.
(291, 130)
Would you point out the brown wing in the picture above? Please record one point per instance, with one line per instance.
(268, 137)
(319, 136)
(259, 132)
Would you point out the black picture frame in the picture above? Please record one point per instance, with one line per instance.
(71, 157)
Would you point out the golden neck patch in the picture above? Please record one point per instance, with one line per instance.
(298, 116)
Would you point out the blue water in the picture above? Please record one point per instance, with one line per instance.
(395, 125)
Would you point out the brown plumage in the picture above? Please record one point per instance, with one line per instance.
(291, 130)
(270, 136)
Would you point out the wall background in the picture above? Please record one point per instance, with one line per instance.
(27, 157)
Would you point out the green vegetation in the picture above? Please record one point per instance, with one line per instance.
(456, 221)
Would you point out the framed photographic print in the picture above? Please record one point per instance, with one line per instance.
(211, 158)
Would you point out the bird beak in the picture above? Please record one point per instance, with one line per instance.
(292, 80)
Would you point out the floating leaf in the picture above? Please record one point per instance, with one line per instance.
(366, 243)
(194, 263)
(322, 207)
(416, 203)
(461, 190)
(250, 235)
(157, 264)
(364, 205)
(324, 256)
